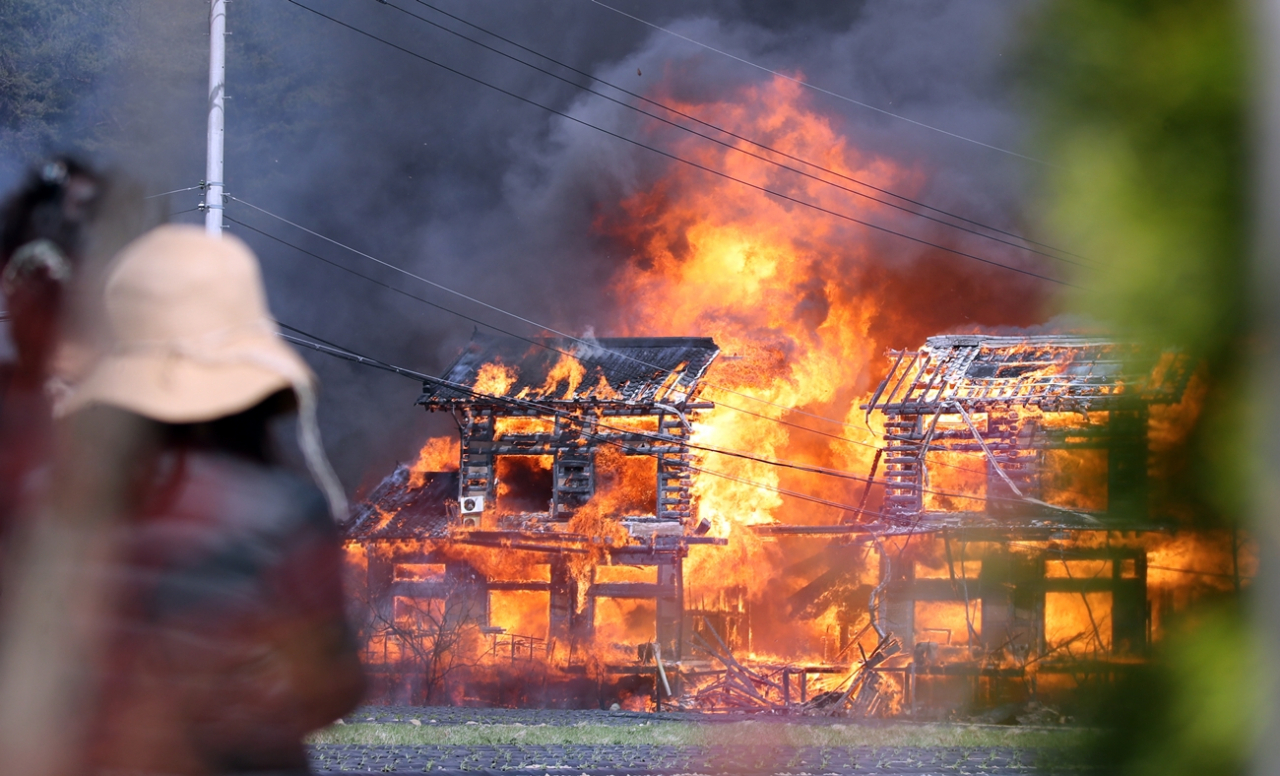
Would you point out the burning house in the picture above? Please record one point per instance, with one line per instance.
(573, 462)
(1019, 466)
(1006, 545)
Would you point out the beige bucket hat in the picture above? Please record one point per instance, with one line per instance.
(193, 340)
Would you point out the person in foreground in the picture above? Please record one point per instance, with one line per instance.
(45, 227)
(224, 642)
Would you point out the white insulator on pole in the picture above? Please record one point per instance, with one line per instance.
(217, 95)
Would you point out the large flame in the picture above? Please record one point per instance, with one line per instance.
(766, 279)
(803, 306)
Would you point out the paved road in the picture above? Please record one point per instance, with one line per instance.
(649, 759)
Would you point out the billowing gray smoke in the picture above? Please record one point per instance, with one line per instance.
(489, 195)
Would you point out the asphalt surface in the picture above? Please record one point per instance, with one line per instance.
(647, 759)
(650, 759)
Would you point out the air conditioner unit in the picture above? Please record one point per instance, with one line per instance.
(472, 505)
(471, 521)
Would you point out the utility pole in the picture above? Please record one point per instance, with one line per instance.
(217, 95)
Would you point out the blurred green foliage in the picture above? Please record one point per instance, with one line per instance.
(1190, 711)
(1141, 108)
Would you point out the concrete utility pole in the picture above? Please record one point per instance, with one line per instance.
(1265, 280)
(217, 94)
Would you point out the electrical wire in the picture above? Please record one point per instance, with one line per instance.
(690, 163)
(175, 191)
(564, 335)
(516, 316)
(697, 120)
(792, 493)
(820, 89)
(540, 343)
(545, 409)
(341, 352)
(338, 351)
(737, 136)
(637, 143)
(660, 438)
(390, 287)
(1194, 572)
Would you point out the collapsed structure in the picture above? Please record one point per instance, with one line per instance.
(1020, 467)
(1010, 550)
(545, 415)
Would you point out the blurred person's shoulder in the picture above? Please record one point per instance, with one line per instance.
(242, 495)
(7, 369)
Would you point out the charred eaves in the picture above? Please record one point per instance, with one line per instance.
(634, 395)
(1006, 401)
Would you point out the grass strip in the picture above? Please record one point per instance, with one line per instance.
(748, 733)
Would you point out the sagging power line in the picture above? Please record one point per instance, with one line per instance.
(1022, 245)
(827, 92)
(542, 343)
(531, 341)
(334, 349)
(690, 163)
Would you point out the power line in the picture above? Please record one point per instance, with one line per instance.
(338, 351)
(522, 319)
(732, 134)
(387, 286)
(1087, 556)
(175, 191)
(527, 404)
(682, 160)
(820, 89)
(737, 136)
(347, 353)
(541, 343)
(332, 349)
(792, 493)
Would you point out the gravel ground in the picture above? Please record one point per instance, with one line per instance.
(648, 759)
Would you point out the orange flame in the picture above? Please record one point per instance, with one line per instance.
(496, 378)
(567, 370)
(439, 454)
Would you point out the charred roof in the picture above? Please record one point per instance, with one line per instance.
(1054, 373)
(506, 372)
(398, 510)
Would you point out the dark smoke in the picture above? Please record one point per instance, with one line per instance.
(497, 198)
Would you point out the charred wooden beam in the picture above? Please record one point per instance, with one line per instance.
(419, 589)
(517, 585)
(670, 614)
(777, 529)
(541, 537)
(632, 590)
(531, 547)
(569, 625)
